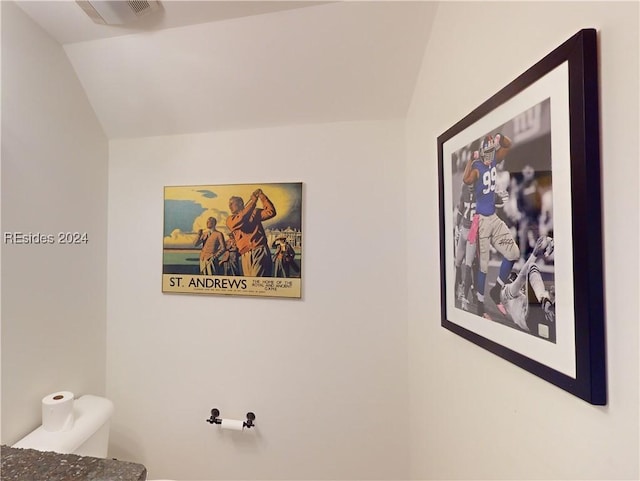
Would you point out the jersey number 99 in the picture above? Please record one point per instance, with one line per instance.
(489, 180)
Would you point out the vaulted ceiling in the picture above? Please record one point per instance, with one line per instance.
(204, 66)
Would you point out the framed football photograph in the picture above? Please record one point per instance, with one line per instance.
(520, 222)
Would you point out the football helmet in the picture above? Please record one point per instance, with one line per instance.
(488, 149)
(549, 309)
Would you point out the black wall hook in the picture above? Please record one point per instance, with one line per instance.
(214, 419)
(249, 422)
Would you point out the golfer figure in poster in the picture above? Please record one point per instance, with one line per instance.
(284, 259)
(213, 246)
(245, 222)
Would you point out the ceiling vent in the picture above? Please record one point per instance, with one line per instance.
(118, 12)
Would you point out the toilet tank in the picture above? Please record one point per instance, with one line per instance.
(89, 435)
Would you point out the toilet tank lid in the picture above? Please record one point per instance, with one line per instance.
(90, 414)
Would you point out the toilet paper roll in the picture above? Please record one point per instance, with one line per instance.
(57, 411)
(232, 424)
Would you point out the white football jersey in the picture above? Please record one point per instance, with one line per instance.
(517, 305)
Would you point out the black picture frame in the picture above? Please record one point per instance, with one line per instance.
(547, 120)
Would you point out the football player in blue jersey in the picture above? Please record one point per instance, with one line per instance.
(481, 173)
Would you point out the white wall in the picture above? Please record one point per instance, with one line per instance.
(54, 179)
(475, 416)
(326, 375)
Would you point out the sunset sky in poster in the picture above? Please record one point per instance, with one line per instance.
(187, 208)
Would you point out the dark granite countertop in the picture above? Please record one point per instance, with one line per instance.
(31, 465)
